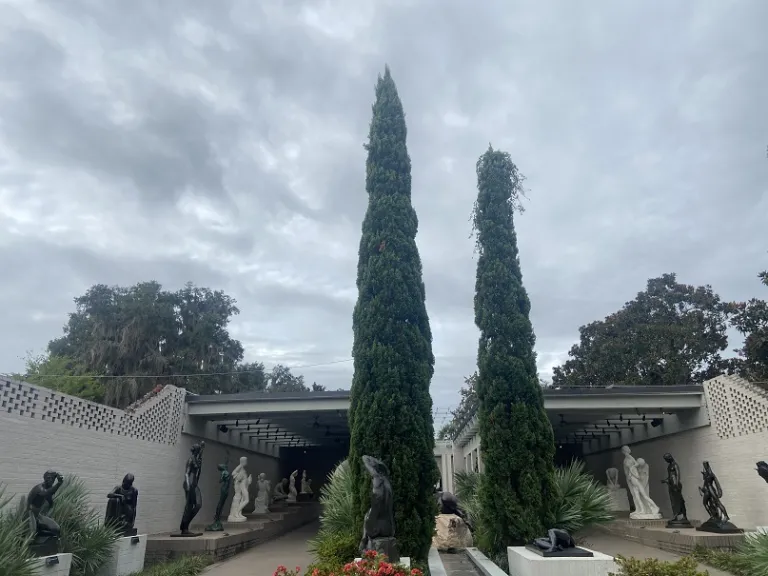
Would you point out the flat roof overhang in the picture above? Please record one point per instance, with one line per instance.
(320, 418)
(285, 419)
(579, 414)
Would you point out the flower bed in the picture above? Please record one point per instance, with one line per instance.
(371, 564)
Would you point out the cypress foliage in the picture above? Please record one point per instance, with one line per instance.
(517, 443)
(391, 409)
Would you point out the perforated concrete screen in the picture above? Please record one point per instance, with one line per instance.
(736, 407)
(157, 420)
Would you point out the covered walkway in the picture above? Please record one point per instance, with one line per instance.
(289, 550)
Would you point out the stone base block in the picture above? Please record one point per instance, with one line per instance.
(682, 541)
(127, 557)
(55, 565)
(524, 562)
(639, 516)
(404, 561)
(234, 539)
(619, 499)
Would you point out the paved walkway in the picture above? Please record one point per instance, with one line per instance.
(289, 550)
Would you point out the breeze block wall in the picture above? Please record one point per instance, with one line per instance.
(41, 429)
(735, 440)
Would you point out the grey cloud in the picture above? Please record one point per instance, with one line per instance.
(640, 127)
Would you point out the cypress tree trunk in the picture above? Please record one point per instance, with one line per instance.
(391, 409)
(517, 443)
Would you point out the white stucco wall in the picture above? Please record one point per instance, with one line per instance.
(90, 441)
(733, 443)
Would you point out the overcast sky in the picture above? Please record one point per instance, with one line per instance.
(222, 142)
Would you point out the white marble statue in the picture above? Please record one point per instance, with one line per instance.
(241, 481)
(292, 486)
(306, 487)
(619, 497)
(260, 503)
(613, 478)
(637, 474)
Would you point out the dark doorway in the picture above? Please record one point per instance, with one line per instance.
(566, 453)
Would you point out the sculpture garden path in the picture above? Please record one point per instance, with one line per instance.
(291, 550)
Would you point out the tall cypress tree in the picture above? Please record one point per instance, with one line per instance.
(517, 443)
(391, 409)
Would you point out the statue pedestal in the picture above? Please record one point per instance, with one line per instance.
(525, 562)
(55, 565)
(127, 556)
(639, 516)
(679, 524)
(619, 499)
(386, 546)
(45, 546)
(717, 527)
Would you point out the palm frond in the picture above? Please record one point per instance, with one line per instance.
(582, 501)
(337, 521)
(82, 533)
(753, 554)
(14, 541)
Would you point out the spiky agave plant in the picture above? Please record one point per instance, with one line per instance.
(752, 555)
(15, 555)
(339, 534)
(82, 533)
(581, 501)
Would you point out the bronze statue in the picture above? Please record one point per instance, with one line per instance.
(675, 487)
(45, 531)
(225, 481)
(447, 503)
(121, 506)
(192, 494)
(379, 522)
(559, 544)
(711, 492)
(556, 541)
(281, 491)
(762, 469)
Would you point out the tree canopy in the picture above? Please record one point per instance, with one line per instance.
(751, 320)
(516, 439)
(671, 333)
(391, 409)
(462, 413)
(120, 342)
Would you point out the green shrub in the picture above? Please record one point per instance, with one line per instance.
(686, 566)
(581, 501)
(82, 532)
(752, 555)
(185, 566)
(335, 547)
(14, 542)
(722, 560)
(339, 534)
(750, 559)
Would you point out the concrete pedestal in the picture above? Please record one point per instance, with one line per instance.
(524, 562)
(56, 565)
(619, 499)
(127, 556)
